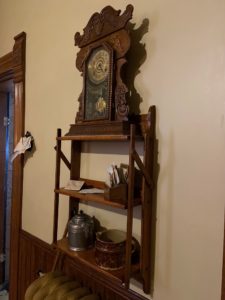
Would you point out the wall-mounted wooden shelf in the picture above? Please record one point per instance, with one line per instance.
(145, 127)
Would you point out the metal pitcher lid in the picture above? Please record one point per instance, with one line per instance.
(81, 217)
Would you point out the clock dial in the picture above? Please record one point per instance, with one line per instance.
(97, 85)
(98, 66)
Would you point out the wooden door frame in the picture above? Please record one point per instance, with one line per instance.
(3, 171)
(12, 66)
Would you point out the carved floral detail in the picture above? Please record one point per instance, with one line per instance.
(122, 108)
(117, 44)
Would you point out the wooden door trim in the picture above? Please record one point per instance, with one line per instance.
(12, 66)
(3, 171)
(6, 70)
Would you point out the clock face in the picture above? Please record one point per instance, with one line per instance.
(98, 66)
(97, 85)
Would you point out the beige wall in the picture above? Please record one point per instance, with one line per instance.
(184, 76)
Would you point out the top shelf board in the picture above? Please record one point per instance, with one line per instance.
(94, 138)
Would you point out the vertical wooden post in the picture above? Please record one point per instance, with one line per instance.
(74, 172)
(130, 207)
(57, 182)
(147, 198)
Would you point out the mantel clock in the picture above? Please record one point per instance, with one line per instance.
(103, 47)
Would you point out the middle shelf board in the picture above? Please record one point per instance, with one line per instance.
(96, 198)
(87, 259)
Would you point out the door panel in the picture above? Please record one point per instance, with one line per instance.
(3, 128)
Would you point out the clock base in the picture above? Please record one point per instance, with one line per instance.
(100, 128)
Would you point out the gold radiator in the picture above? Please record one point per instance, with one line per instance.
(57, 286)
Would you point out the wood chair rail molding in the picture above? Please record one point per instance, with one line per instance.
(12, 67)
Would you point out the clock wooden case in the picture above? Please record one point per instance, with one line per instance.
(103, 46)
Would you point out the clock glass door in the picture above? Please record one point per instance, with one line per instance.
(98, 76)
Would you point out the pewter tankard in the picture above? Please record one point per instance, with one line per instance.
(81, 232)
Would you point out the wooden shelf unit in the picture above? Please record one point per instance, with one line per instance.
(145, 126)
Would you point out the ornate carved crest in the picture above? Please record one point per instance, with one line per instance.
(104, 23)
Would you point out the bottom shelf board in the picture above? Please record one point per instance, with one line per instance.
(87, 258)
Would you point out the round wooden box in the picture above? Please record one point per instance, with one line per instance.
(110, 247)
